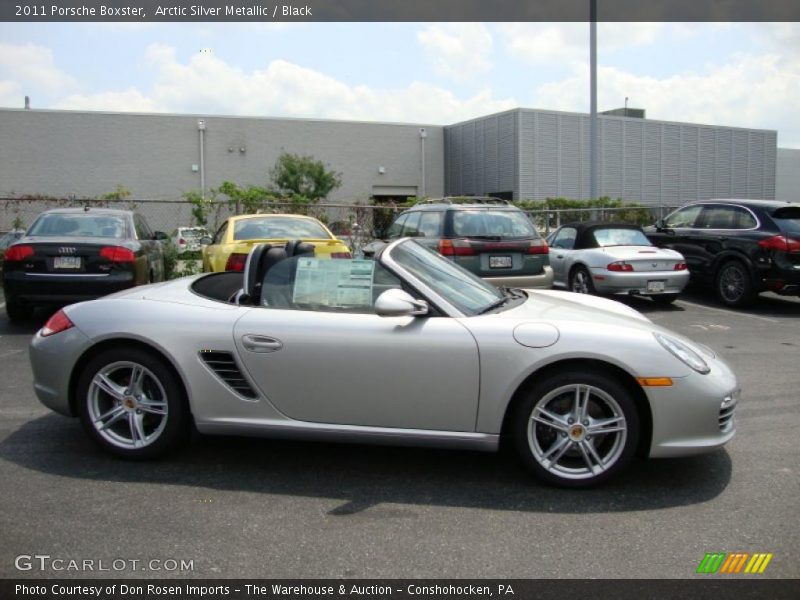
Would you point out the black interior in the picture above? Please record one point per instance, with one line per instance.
(219, 286)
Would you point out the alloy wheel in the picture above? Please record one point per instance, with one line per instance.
(732, 283)
(127, 405)
(577, 431)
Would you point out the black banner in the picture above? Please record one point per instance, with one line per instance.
(744, 588)
(397, 10)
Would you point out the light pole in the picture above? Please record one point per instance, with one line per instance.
(593, 99)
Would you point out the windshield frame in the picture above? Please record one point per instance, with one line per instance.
(446, 305)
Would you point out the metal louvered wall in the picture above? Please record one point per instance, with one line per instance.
(540, 154)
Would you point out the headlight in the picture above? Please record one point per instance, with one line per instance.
(683, 353)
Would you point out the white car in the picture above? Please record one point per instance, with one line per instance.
(190, 239)
(615, 259)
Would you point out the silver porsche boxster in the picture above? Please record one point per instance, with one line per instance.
(615, 259)
(407, 348)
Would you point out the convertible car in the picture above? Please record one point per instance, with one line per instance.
(615, 258)
(407, 348)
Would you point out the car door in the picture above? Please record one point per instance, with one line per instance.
(679, 233)
(718, 230)
(561, 251)
(152, 247)
(316, 363)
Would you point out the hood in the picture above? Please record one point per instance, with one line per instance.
(550, 305)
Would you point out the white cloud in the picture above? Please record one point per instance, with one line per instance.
(568, 43)
(458, 51)
(207, 84)
(34, 67)
(11, 95)
(757, 91)
(130, 100)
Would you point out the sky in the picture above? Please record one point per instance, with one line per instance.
(737, 74)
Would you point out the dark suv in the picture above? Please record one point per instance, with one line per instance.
(489, 237)
(740, 247)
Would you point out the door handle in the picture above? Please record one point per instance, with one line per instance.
(261, 343)
(559, 256)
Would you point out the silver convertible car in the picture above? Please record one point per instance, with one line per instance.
(615, 258)
(407, 348)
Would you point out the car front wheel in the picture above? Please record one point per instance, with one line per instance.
(576, 429)
(131, 404)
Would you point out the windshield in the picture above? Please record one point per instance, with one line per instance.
(493, 223)
(194, 234)
(278, 228)
(78, 224)
(620, 237)
(788, 219)
(468, 293)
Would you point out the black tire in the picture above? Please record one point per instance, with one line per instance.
(559, 453)
(92, 400)
(580, 281)
(664, 299)
(734, 285)
(18, 311)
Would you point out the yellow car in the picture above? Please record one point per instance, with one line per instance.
(237, 235)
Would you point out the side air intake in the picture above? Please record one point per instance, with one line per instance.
(224, 365)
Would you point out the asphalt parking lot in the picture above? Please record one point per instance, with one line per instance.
(261, 508)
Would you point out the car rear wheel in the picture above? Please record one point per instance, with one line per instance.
(733, 284)
(664, 299)
(576, 429)
(580, 281)
(18, 311)
(131, 404)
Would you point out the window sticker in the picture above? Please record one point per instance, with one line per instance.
(333, 282)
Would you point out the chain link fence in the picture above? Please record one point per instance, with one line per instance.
(348, 221)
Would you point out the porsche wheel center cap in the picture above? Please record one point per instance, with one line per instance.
(129, 402)
(577, 432)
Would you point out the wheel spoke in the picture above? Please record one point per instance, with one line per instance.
(109, 387)
(610, 425)
(581, 402)
(153, 407)
(587, 449)
(137, 429)
(559, 448)
(137, 377)
(550, 419)
(115, 415)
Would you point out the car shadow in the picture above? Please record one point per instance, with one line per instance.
(365, 477)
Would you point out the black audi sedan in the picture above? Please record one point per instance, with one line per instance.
(74, 254)
(740, 248)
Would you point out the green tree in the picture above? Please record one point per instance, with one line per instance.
(296, 176)
(245, 200)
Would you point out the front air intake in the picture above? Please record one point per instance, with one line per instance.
(225, 367)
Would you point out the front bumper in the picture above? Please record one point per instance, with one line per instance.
(609, 282)
(696, 414)
(543, 281)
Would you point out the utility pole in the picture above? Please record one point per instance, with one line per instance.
(593, 99)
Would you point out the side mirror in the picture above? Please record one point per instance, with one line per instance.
(159, 235)
(205, 241)
(397, 303)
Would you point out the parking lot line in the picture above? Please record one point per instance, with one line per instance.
(730, 312)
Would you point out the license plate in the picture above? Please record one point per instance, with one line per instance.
(67, 262)
(499, 262)
(655, 286)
